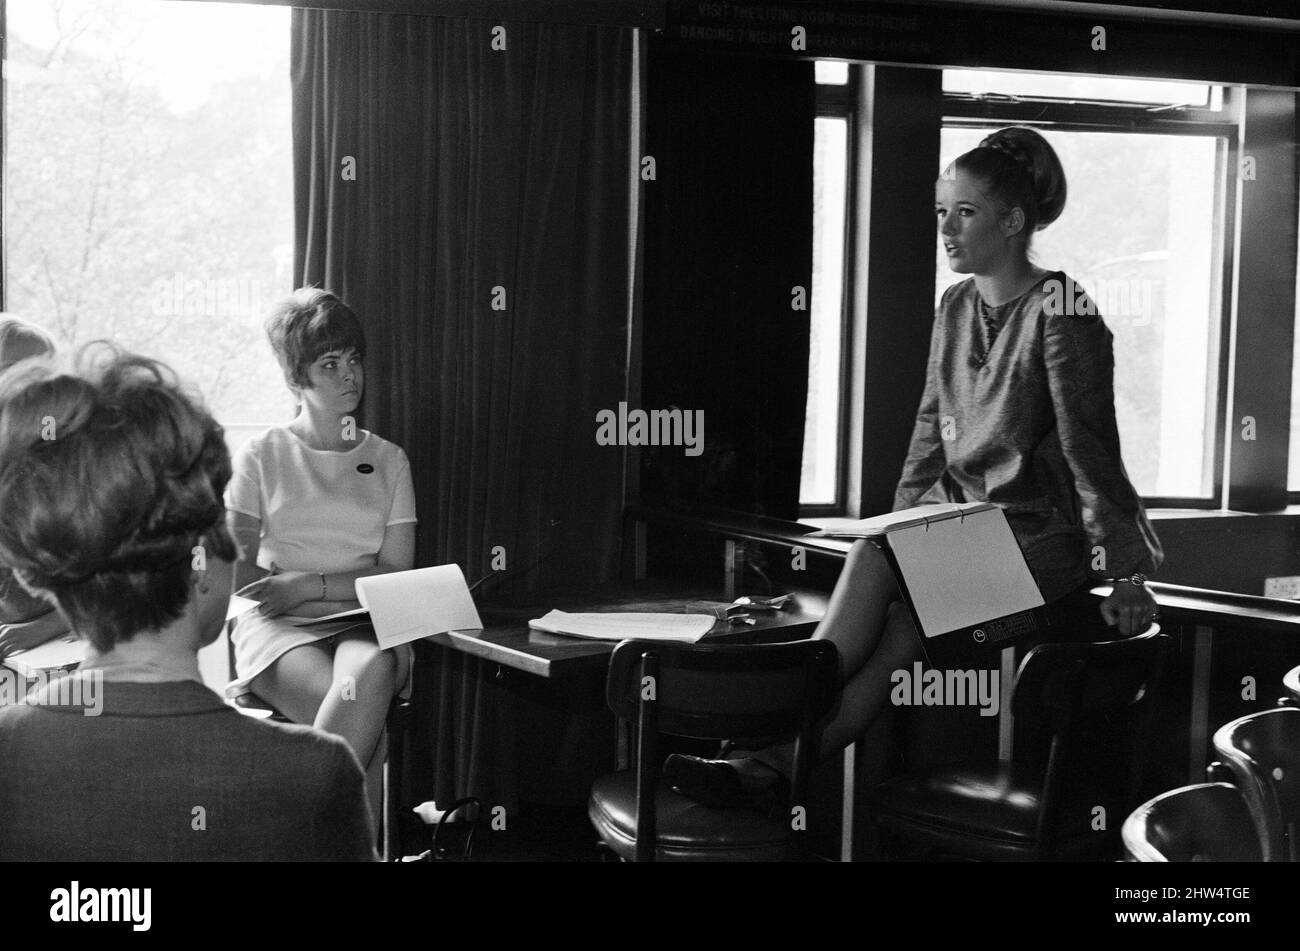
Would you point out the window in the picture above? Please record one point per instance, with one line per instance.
(821, 481)
(831, 72)
(1293, 456)
(148, 186)
(1142, 232)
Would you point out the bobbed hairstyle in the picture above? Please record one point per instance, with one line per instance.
(110, 477)
(20, 340)
(308, 323)
(1018, 168)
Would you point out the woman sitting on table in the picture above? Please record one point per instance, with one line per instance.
(110, 481)
(25, 621)
(1018, 410)
(314, 506)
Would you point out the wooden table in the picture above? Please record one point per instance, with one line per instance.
(507, 639)
(576, 667)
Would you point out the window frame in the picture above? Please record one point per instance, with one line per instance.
(840, 101)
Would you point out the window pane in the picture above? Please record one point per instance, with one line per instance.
(821, 446)
(831, 72)
(1138, 234)
(1058, 86)
(148, 194)
(1293, 457)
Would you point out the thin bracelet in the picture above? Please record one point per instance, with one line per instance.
(322, 585)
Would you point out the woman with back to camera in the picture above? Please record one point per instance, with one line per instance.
(111, 477)
(315, 505)
(1025, 384)
(25, 620)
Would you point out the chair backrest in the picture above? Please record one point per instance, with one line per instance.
(1263, 752)
(720, 692)
(755, 691)
(1062, 685)
(1207, 822)
(1079, 716)
(1291, 681)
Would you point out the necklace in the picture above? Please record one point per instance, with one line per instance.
(990, 323)
(992, 317)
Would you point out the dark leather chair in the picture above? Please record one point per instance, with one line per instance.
(763, 692)
(1207, 822)
(1263, 752)
(1070, 701)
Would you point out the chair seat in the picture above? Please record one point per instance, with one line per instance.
(982, 813)
(1209, 822)
(251, 705)
(686, 829)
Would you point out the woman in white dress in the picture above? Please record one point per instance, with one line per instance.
(314, 506)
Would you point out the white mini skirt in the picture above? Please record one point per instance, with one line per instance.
(260, 641)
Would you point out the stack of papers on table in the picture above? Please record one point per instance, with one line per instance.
(624, 625)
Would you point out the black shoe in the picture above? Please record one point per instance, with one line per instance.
(717, 783)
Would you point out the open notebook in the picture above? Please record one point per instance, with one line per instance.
(409, 605)
(962, 572)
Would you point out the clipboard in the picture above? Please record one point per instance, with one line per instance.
(963, 577)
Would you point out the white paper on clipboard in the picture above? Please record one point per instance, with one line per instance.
(963, 571)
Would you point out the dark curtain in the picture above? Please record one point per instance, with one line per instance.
(482, 177)
(728, 231)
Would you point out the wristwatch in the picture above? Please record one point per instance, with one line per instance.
(1137, 578)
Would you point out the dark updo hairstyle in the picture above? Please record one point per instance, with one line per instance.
(110, 476)
(308, 323)
(1019, 169)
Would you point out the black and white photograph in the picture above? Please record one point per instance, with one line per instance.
(495, 434)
